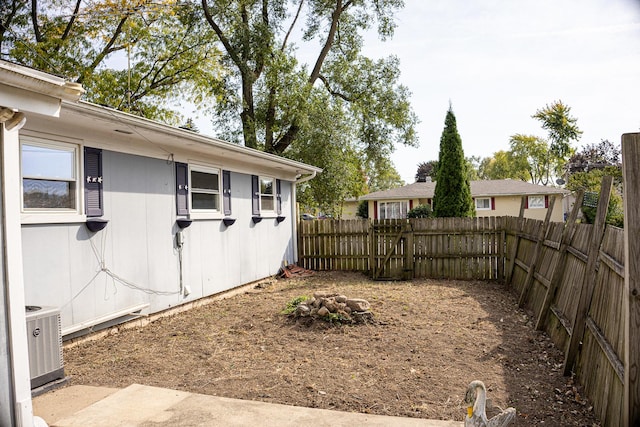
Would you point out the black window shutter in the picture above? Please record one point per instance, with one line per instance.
(278, 198)
(93, 182)
(182, 188)
(255, 195)
(226, 192)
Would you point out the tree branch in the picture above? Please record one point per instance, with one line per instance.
(293, 23)
(225, 41)
(333, 92)
(67, 30)
(34, 21)
(105, 50)
(335, 18)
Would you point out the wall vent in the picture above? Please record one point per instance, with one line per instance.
(44, 337)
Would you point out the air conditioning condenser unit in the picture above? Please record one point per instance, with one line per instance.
(44, 337)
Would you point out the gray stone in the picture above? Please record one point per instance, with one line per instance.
(358, 304)
(302, 310)
(323, 311)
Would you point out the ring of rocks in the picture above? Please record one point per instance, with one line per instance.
(333, 308)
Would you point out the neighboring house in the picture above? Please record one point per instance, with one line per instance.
(491, 198)
(350, 208)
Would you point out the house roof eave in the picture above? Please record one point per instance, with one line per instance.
(171, 137)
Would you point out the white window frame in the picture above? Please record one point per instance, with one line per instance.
(263, 211)
(401, 203)
(482, 208)
(54, 215)
(536, 202)
(204, 213)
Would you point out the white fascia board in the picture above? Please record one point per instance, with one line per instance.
(25, 80)
(31, 102)
(186, 143)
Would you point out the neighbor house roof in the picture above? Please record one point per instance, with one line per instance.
(488, 188)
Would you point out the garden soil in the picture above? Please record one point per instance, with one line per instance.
(426, 341)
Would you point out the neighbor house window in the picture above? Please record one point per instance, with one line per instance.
(49, 172)
(485, 203)
(204, 187)
(536, 202)
(392, 210)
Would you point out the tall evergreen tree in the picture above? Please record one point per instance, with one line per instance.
(452, 197)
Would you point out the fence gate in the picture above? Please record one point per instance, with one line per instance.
(391, 253)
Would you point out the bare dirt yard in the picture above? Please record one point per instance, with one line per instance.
(427, 340)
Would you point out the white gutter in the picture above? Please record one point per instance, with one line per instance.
(140, 123)
(308, 177)
(41, 83)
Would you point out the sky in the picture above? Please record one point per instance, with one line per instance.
(499, 61)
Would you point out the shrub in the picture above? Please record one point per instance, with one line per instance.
(420, 211)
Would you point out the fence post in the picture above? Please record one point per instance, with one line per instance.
(514, 250)
(372, 250)
(502, 239)
(558, 271)
(542, 233)
(631, 174)
(409, 265)
(589, 279)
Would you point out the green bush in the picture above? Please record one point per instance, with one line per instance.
(420, 211)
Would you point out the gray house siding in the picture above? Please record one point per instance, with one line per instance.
(94, 277)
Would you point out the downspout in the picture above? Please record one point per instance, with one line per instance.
(12, 275)
(294, 210)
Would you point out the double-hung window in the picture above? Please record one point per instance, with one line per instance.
(393, 210)
(483, 203)
(204, 187)
(49, 172)
(266, 198)
(267, 194)
(536, 202)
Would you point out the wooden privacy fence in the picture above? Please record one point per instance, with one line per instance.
(449, 248)
(570, 276)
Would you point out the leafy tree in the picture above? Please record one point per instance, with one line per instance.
(473, 165)
(529, 155)
(590, 181)
(327, 144)
(383, 176)
(420, 211)
(562, 129)
(427, 169)
(271, 91)
(344, 113)
(585, 170)
(596, 156)
(168, 48)
(452, 196)
(503, 165)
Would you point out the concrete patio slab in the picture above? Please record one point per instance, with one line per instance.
(145, 406)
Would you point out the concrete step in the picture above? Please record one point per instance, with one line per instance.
(145, 406)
